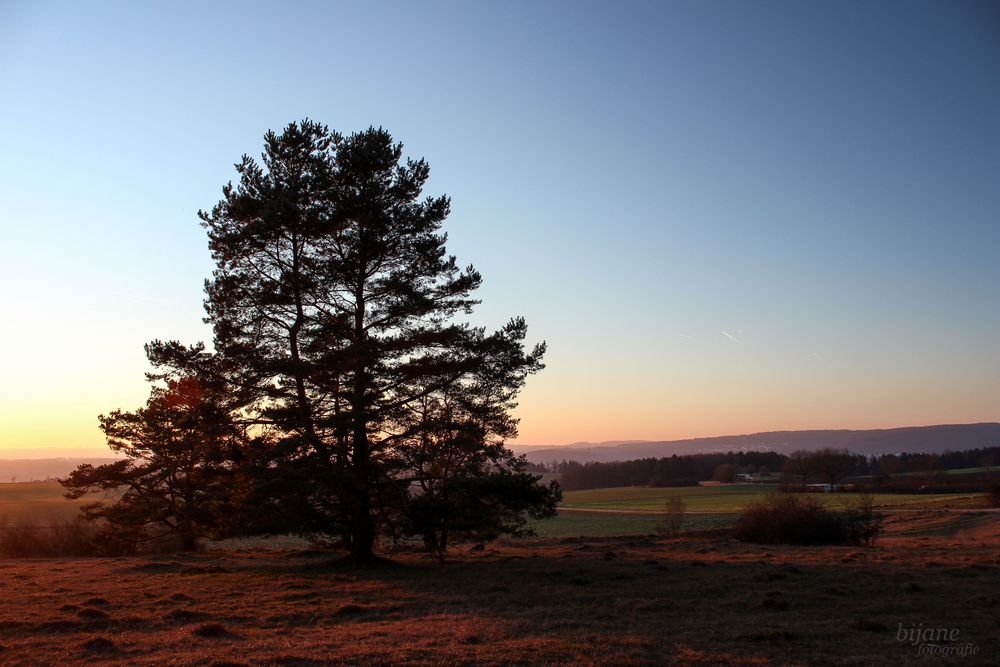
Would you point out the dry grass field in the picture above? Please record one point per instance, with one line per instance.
(699, 600)
(35, 503)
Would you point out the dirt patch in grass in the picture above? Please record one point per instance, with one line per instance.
(211, 631)
(183, 616)
(155, 568)
(93, 614)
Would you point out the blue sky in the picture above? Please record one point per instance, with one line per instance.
(723, 217)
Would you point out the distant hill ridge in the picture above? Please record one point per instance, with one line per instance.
(922, 439)
(31, 470)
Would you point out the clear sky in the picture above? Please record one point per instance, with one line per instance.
(723, 217)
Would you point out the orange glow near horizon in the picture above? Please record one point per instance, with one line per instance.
(554, 413)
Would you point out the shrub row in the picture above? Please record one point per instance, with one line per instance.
(993, 493)
(783, 518)
(72, 538)
(77, 538)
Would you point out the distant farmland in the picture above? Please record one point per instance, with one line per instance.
(38, 503)
(635, 510)
(624, 510)
(734, 497)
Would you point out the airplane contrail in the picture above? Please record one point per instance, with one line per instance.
(729, 335)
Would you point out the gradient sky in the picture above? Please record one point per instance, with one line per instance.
(723, 217)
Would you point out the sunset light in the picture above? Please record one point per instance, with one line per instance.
(557, 332)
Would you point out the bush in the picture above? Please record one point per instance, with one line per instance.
(786, 518)
(67, 539)
(673, 517)
(73, 538)
(993, 492)
(862, 524)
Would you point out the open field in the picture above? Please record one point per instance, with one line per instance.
(636, 510)
(944, 522)
(692, 601)
(596, 513)
(35, 502)
(734, 497)
(618, 595)
(43, 502)
(971, 471)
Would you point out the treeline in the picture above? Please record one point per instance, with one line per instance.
(823, 466)
(927, 473)
(686, 470)
(916, 463)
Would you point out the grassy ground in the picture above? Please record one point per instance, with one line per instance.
(43, 501)
(618, 596)
(609, 601)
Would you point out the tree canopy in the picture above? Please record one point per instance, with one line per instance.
(176, 474)
(340, 333)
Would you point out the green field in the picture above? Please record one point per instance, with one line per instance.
(734, 497)
(971, 471)
(635, 510)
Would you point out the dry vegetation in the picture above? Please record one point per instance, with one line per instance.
(697, 600)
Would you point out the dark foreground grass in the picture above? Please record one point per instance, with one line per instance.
(616, 601)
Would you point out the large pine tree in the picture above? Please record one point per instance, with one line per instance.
(336, 309)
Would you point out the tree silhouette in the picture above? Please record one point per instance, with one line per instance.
(335, 308)
(458, 481)
(673, 517)
(884, 468)
(725, 472)
(796, 469)
(830, 464)
(178, 468)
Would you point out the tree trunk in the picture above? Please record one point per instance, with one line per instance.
(362, 522)
(188, 541)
